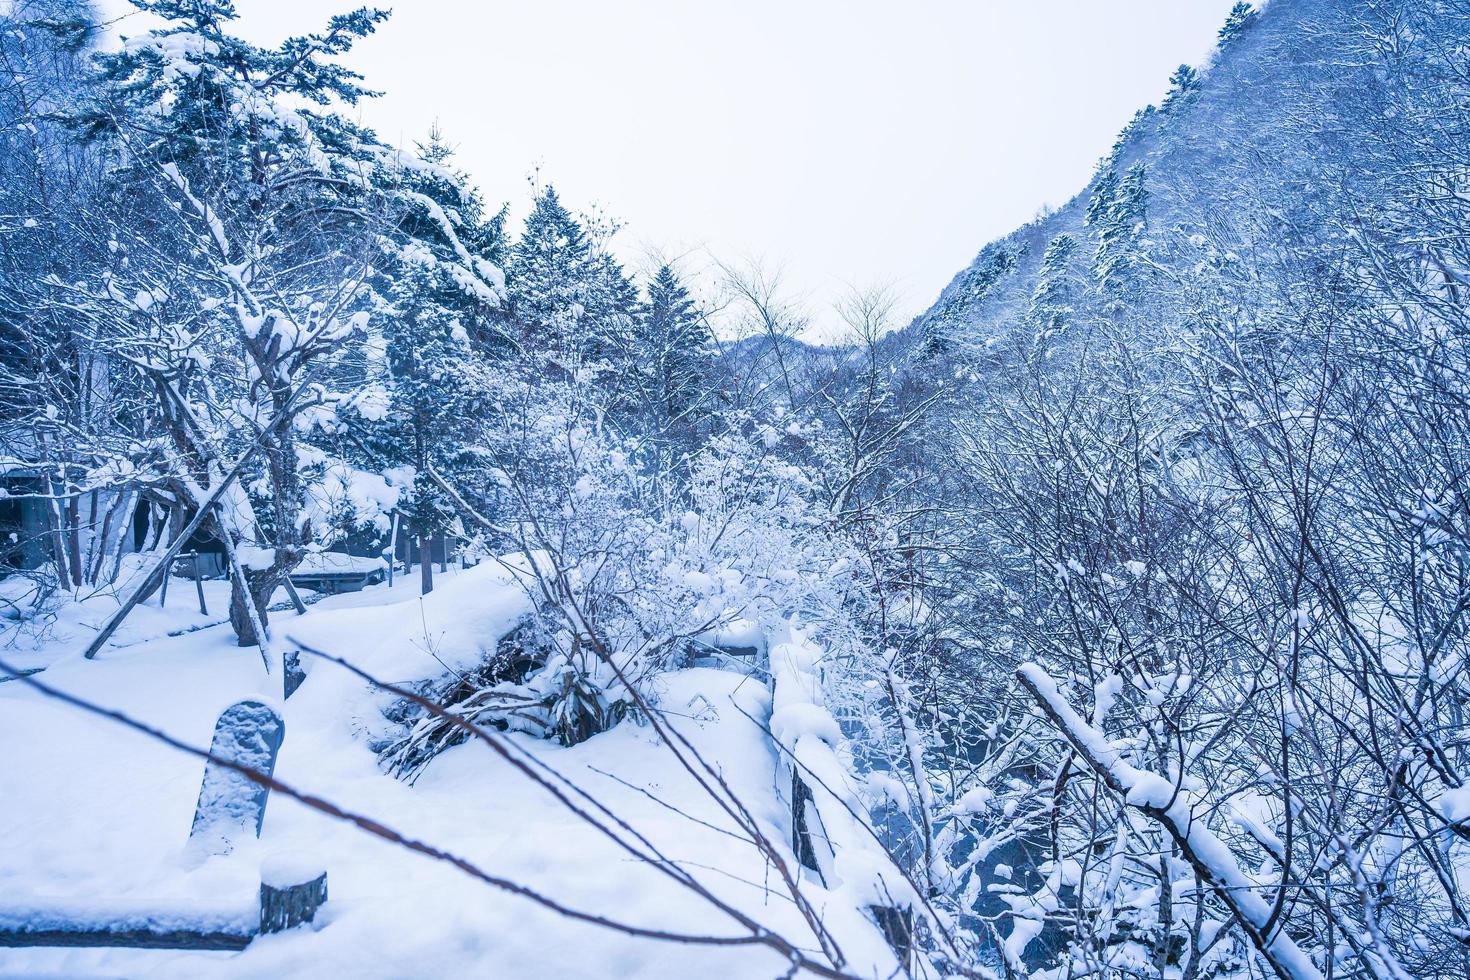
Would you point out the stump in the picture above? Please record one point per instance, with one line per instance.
(288, 906)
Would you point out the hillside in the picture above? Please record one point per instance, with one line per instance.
(1260, 133)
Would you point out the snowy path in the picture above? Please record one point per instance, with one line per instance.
(92, 811)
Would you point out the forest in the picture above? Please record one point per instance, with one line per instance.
(1109, 619)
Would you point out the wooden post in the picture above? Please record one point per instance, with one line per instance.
(287, 906)
(74, 541)
(801, 832)
(443, 553)
(295, 596)
(199, 586)
(392, 550)
(897, 926)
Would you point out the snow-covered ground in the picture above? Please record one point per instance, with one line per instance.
(93, 813)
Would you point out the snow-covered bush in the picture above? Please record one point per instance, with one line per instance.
(628, 566)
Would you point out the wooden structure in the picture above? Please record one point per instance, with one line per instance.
(333, 573)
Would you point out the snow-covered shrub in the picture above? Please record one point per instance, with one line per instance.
(627, 565)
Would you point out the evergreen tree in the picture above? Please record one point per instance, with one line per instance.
(549, 273)
(1104, 192)
(1241, 16)
(1051, 302)
(1182, 84)
(610, 316)
(1121, 226)
(671, 354)
(936, 333)
(436, 291)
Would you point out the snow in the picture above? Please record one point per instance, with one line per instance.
(976, 800)
(104, 812)
(286, 869)
(1455, 804)
(737, 634)
(332, 561)
(793, 722)
(255, 558)
(65, 630)
(452, 628)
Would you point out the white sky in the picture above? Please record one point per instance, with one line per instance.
(851, 143)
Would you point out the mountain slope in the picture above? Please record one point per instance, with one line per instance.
(1289, 69)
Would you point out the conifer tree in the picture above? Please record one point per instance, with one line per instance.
(1121, 227)
(937, 342)
(435, 291)
(1182, 84)
(672, 359)
(1051, 302)
(549, 276)
(610, 316)
(1241, 16)
(1104, 191)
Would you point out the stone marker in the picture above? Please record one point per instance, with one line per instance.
(230, 804)
(292, 888)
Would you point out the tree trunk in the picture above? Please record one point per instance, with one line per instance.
(74, 542)
(426, 565)
(176, 521)
(55, 514)
(89, 566)
(259, 587)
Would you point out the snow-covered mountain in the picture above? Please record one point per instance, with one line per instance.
(1263, 137)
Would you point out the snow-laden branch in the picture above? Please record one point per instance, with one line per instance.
(1174, 809)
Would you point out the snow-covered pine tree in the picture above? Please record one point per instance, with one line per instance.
(1241, 16)
(1104, 191)
(1121, 225)
(1051, 311)
(244, 230)
(1182, 84)
(937, 342)
(609, 319)
(671, 361)
(436, 289)
(549, 274)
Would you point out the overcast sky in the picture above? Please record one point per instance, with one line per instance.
(852, 143)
